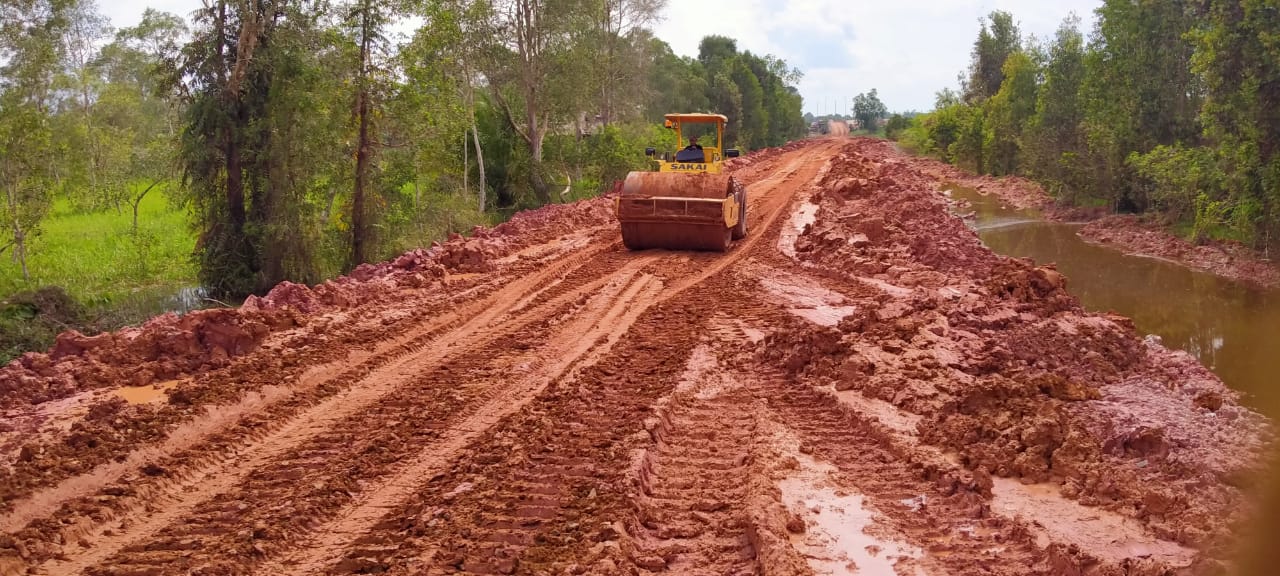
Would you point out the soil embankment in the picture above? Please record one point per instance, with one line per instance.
(858, 387)
(1127, 233)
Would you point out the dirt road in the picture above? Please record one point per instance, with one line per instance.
(859, 387)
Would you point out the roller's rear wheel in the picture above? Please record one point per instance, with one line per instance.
(740, 229)
(630, 237)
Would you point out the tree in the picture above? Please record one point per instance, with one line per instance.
(897, 124)
(1239, 58)
(1138, 91)
(366, 19)
(620, 63)
(263, 79)
(754, 124)
(869, 110)
(135, 110)
(1008, 112)
(1054, 139)
(438, 101)
(997, 40)
(88, 165)
(32, 34)
(534, 41)
(714, 52)
(675, 84)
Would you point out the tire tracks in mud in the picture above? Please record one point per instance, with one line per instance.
(215, 502)
(588, 332)
(521, 521)
(188, 482)
(604, 412)
(693, 481)
(534, 485)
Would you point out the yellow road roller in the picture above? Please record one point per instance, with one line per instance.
(685, 203)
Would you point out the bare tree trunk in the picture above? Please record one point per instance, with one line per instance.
(536, 178)
(19, 235)
(231, 147)
(470, 97)
(235, 183)
(138, 201)
(541, 190)
(475, 136)
(417, 210)
(466, 163)
(328, 205)
(359, 222)
(20, 249)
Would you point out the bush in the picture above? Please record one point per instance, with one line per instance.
(31, 320)
(1187, 184)
(896, 125)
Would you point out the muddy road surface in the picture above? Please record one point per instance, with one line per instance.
(859, 387)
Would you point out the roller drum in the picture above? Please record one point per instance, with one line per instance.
(676, 211)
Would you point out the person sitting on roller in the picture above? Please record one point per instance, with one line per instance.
(692, 152)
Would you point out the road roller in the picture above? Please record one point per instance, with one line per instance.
(685, 202)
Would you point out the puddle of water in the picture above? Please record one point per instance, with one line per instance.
(754, 335)
(1104, 534)
(145, 394)
(835, 540)
(805, 215)
(842, 534)
(897, 420)
(823, 315)
(1232, 329)
(808, 299)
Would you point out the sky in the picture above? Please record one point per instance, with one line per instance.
(907, 49)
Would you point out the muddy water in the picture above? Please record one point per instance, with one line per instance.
(1234, 330)
(145, 394)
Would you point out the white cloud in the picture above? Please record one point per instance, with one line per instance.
(126, 13)
(908, 50)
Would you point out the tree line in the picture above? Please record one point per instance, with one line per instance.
(307, 137)
(1170, 108)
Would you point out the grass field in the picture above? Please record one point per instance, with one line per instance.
(97, 259)
(119, 278)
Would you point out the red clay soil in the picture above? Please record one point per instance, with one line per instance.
(858, 387)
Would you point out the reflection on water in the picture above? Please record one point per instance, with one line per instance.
(149, 302)
(1234, 330)
(188, 299)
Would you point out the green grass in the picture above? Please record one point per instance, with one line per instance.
(97, 259)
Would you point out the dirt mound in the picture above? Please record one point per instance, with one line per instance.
(170, 346)
(163, 348)
(870, 211)
(1005, 369)
(1017, 191)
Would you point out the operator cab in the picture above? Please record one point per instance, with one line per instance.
(692, 153)
(691, 128)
